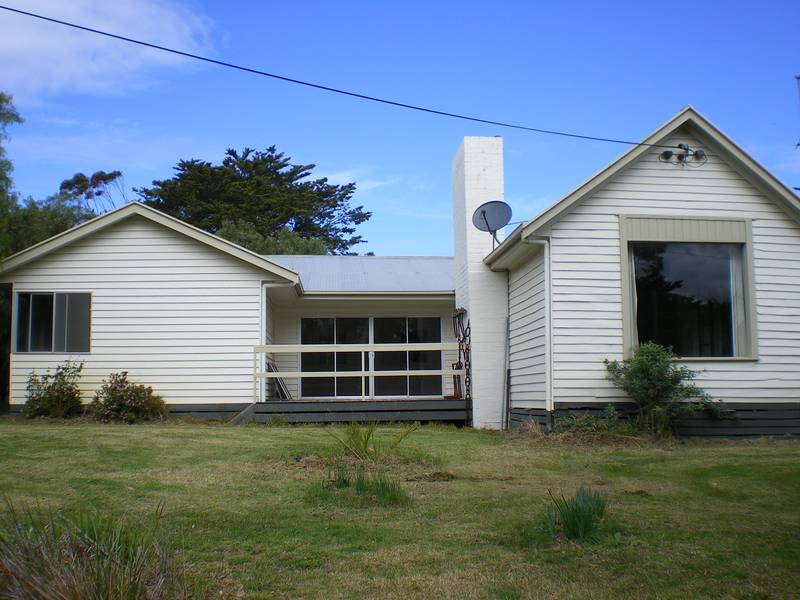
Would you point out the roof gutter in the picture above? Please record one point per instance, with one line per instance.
(444, 295)
(504, 248)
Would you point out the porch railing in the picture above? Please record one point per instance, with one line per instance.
(265, 351)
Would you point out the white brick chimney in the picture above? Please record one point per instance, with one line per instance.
(478, 178)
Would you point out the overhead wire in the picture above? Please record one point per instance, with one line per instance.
(326, 88)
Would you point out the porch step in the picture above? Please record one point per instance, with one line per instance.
(244, 417)
(337, 411)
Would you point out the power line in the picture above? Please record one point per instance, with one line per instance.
(325, 87)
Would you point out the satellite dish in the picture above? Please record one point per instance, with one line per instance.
(491, 217)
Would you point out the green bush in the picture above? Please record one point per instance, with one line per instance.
(663, 391)
(84, 556)
(121, 400)
(577, 517)
(54, 394)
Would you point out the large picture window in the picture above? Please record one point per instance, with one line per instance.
(690, 296)
(53, 322)
(365, 330)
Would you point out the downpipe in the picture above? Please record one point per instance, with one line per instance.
(545, 244)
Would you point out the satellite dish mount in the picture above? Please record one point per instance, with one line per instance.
(491, 217)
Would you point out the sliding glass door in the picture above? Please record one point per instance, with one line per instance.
(407, 330)
(365, 330)
(330, 330)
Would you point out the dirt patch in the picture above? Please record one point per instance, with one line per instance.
(219, 578)
(488, 477)
(642, 493)
(431, 476)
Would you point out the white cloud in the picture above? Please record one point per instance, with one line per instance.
(38, 58)
(43, 160)
(115, 147)
(364, 182)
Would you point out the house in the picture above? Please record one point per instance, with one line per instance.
(191, 314)
(700, 253)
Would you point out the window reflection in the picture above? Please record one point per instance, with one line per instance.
(685, 295)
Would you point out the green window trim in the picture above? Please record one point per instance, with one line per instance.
(647, 228)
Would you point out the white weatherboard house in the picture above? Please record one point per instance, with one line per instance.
(701, 254)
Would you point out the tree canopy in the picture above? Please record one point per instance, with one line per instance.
(8, 116)
(33, 221)
(97, 189)
(283, 241)
(24, 223)
(262, 189)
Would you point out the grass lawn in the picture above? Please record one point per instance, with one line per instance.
(248, 516)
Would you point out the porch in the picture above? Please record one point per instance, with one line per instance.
(344, 411)
(358, 353)
(411, 382)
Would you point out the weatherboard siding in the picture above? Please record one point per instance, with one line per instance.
(586, 285)
(176, 314)
(527, 320)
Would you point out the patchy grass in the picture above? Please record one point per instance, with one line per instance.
(353, 486)
(700, 519)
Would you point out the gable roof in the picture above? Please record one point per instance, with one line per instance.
(758, 175)
(131, 209)
(371, 274)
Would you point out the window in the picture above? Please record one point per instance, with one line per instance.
(422, 330)
(689, 285)
(690, 296)
(391, 330)
(53, 322)
(411, 330)
(381, 330)
(329, 330)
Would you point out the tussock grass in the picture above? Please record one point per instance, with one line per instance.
(45, 556)
(348, 483)
(577, 517)
(360, 441)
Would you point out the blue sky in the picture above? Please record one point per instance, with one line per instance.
(606, 69)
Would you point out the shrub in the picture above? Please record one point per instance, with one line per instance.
(84, 556)
(54, 394)
(577, 517)
(608, 421)
(121, 400)
(359, 441)
(662, 391)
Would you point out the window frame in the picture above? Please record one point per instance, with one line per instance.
(668, 228)
(15, 322)
(369, 364)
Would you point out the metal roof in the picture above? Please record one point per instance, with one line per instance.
(331, 273)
